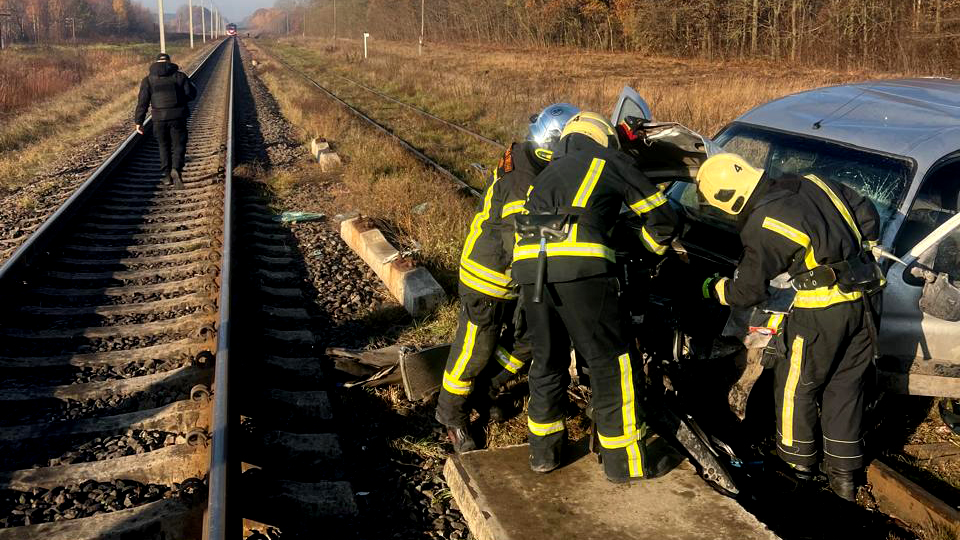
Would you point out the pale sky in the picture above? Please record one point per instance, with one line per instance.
(233, 10)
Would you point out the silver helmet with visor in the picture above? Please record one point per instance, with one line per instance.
(547, 125)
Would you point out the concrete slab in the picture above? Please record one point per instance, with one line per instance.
(503, 500)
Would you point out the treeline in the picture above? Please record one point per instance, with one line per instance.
(45, 21)
(883, 34)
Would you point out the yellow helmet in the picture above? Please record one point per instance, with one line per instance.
(727, 181)
(594, 126)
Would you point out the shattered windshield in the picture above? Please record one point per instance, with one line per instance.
(883, 179)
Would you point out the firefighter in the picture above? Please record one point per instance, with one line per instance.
(819, 233)
(166, 91)
(566, 268)
(490, 323)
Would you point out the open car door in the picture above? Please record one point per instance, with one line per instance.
(665, 151)
(920, 328)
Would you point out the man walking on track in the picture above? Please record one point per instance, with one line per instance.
(167, 90)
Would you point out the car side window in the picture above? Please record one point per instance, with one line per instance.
(935, 203)
(944, 256)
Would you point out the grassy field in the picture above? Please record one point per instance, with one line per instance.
(65, 96)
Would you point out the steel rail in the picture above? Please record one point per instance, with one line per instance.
(380, 127)
(218, 515)
(11, 269)
(454, 125)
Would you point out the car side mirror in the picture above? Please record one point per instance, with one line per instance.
(941, 298)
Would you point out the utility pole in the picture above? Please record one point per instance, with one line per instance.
(190, 4)
(203, 22)
(216, 22)
(73, 26)
(163, 42)
(303, 27)
(422, 27)
(334, 21)
(286, 14)
(3, 21)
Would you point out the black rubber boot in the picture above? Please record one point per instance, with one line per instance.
(177, 181)
(842, 483)
(546, 460)
(167, 180)
(803, 472)
(461, 439)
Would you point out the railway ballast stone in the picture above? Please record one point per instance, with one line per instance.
(413, 287)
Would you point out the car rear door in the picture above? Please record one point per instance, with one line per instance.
(920, 329)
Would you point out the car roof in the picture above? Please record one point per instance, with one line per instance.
(891, 116)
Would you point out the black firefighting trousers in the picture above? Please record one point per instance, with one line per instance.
(490, 347)
(589, 312)
(829, 353)
(172, 139)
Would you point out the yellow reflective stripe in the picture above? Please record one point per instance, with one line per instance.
(485, 287)
(645, 205)
(872, 243)
(634, 461)
(544, 154)
(489, 274)
(476, 226)
(721, 287)
(794, 235)
(508, 361)
(511, 208)
(824, 297)
(565, 249)
(589, 183)
(620, 441)
(841, 207)
(652, 244)
(790, 391)
(542, 430)
(456, 386)
(466, 350)
(628, 408)
(775, 321)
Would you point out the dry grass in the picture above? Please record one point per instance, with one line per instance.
(380, 179)
(48, 128)
(495, 90)
(55, 69)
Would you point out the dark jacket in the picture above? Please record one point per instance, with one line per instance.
(794, 224)
(488, 249)
(166, 90)
(592, 182)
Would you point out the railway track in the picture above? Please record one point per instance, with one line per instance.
(113, 323)
(456, 158)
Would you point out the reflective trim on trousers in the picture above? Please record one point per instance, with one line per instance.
(543, 429)
(508, 361)
(456, 386)
(790, 391)
(466, 351)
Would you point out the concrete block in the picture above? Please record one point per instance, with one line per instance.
(412, 286)
(319, 146)
(502, 499)
(329, 161)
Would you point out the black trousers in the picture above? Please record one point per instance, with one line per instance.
(829, 353)
(487, 329)
(590, 313)
(172, 139)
